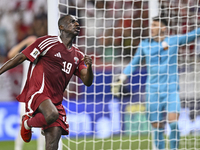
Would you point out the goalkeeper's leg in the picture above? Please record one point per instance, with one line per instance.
(155, 115)
(175, 133)
(158, 136)
(173, 115)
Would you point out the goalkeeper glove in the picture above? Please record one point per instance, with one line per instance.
(116, 86)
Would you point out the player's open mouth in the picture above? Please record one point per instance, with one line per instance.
(78, 29)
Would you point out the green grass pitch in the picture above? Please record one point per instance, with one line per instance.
(114, 143)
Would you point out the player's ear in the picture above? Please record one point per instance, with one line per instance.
(163, 28)
(61, 27)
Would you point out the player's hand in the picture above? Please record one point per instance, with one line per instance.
(115, 88)
(88, 60)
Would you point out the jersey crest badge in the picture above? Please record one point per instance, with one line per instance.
(35, 53)
(165, 45)
(58, 55)
(76, 60)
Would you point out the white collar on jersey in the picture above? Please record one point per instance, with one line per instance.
(59, 39)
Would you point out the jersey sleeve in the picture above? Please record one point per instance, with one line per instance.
(79, 68)
(33, 51)
(130, 68)
(81, 65)
(188, 37)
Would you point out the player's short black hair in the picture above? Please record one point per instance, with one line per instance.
(161, 19)
(60, 21)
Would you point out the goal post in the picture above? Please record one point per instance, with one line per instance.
(153, 10)
(52, 17)
(111, 31)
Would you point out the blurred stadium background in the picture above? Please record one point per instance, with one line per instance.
(110, 33)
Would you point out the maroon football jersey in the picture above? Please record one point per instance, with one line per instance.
(52, 66)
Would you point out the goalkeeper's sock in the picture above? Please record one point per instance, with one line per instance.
(37, 121)
(174, 135)
(159, 138)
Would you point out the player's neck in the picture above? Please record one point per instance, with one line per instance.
(67, 41)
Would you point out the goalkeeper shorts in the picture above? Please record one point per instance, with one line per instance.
(158, 105)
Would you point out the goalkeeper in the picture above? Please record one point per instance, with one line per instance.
(162, 87)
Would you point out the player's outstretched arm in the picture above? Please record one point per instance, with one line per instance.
(87, 74)
(128, 70)
(188, 37)
(17, 48)
(18, 59)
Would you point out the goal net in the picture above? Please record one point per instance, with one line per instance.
(111, 31)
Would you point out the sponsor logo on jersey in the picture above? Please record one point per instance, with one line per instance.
(35, 53)
(76, 60)
(58, 55)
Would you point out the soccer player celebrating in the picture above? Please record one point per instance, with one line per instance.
(160, 53)
(53, 61)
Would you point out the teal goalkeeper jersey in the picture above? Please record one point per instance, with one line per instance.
(162, 65)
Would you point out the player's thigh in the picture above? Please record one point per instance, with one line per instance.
(173, 106)
(153, 107)
(47, 108)
(52, 137)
